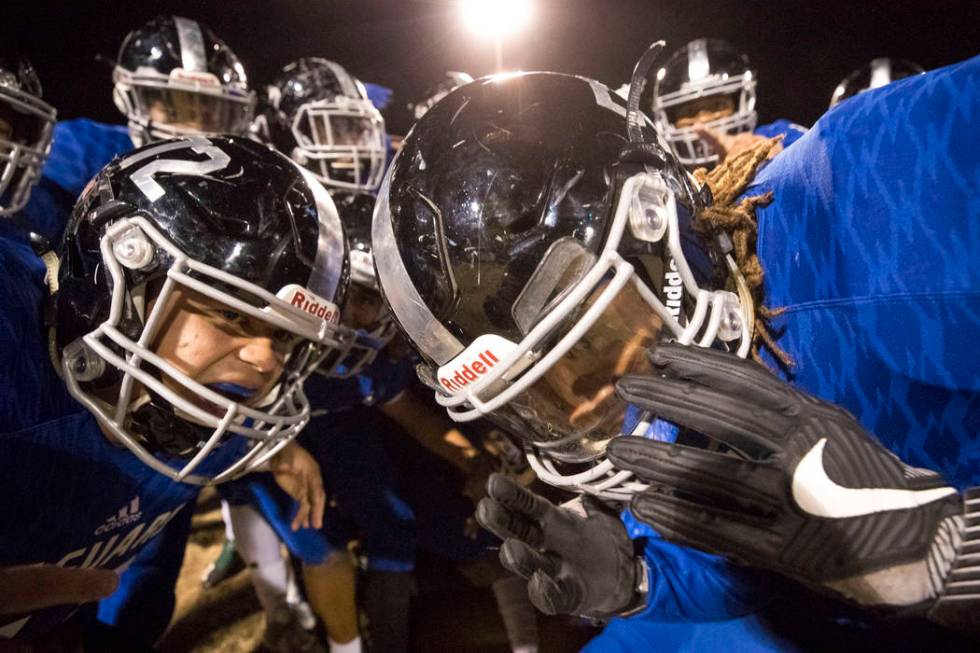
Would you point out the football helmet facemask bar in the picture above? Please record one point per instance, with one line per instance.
(531, 267)
(710, 76)
(364, 298)
(174, 77)
(321, 116)
(26, 124)
(875, 74)
(242, 227)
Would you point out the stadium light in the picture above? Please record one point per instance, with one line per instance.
(496, 19)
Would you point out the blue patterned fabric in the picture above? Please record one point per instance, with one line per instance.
(79, 150)
(871, 246)
(790, 131)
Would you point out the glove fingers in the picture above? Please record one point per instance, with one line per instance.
(508, 493)
(718, 415)
(707, 527)
(724, 372)
(753, 486)
(550, 596)
(506, 524)
(519, 558)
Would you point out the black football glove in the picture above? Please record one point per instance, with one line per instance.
(578, 558)
(804, 491)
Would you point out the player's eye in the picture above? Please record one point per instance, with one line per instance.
(280, 335)
(230, 316)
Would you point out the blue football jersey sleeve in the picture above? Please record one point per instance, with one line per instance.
(80, 148)
(870, 247)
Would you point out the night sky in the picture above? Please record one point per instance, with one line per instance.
(800, 50)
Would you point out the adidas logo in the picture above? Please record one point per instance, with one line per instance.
(126, 515)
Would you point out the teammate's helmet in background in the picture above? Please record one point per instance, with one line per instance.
(874, 74)
(26, 124)
(174, 77)
(530, 267)
(707, 81)
(318, 114)
(355, 211)
(230, 219)
(451, 80)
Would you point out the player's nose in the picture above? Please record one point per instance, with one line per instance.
(260, 353)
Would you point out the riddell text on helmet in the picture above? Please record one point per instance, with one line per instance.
(469, 372)
(315, 306)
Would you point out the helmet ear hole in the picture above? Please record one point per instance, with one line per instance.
(133, 250)
(84, 364)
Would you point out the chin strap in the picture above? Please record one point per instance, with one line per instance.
(171, 435)
(52, 264)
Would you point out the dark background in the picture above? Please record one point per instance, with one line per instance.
(800, 49)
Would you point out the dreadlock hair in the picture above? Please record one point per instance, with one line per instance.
(727, 182)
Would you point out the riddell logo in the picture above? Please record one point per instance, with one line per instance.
(470, 372)
(673, 289)
(307, 301)
(194, 77)
(474, 362)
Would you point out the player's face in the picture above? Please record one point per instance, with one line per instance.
(232, 354)
(6, 130)
(363, 308)
(577, 395)
(161, 114)
(702, 110)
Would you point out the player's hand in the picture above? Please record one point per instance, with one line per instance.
(31, 587)
(578, 561)
(478, 471)
(725, 145)
(298, 474)
(812, 495)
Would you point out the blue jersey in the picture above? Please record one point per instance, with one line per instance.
(79, 150)
(342, 438)
(71, 497)
(870, 244)
(377, 384)
(790, 131)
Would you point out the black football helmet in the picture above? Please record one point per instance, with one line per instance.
(318, 114)
(355, 211)
(874, 74)
(26, 124)
(230, 219)
(530, 264)
(174, 77)
(708, 74)
(451, 80)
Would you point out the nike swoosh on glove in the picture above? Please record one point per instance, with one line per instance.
(576, 561)
(805, 490)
